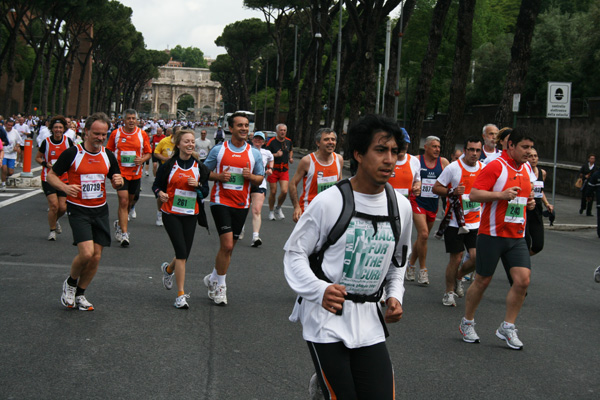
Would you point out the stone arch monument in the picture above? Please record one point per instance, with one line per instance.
(174, 82)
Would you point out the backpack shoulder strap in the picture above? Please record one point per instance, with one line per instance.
(338, 229)
(345, 217)
(396, 223)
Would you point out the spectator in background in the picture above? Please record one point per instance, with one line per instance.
(587, 191)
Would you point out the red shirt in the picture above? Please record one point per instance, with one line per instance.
(501, 217)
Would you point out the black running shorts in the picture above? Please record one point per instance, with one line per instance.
(89, 224)
(490, 249)
(229, 219)
(456, 243)
(49, 189)
(132, 186)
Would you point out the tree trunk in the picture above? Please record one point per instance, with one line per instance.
(10, 79)
(520, 54)
(418, 109)
(71, 60)
(82, 76)
(391, 94)
(460, 74)
(278, 85)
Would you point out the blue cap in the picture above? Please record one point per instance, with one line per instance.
(405, 134)
(260, 135)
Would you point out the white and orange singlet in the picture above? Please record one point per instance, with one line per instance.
(318, 178)
(51, 153)
(128, 146)
(182, 196)
(236, 192)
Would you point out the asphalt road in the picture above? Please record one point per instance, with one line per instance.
(136, 345)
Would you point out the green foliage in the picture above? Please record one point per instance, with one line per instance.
(491, 61)
(565, 49)
(506, 12)
(184, 102)
(192, 57)
(244, 38)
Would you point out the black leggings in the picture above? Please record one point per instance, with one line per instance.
(348, 374)
(181, 230)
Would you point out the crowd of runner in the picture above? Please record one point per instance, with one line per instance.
(494, 200)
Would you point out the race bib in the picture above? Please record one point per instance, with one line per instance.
(91, 186)
(368, 254)
(403, 192)
(184, 201)
(468, 205)
(515, 212)
(427, 188)
(325, 182)
(202, 153)
(538, 189)
(236, 180)
(128, 158)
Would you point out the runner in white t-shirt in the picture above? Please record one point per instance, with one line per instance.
(457, 180)
(345, 335)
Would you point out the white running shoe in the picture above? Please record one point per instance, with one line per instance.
(159, 218)
(167, 277)
(3, 189)
(220, 295)
(597, 275)
(52, 236)
(211, 285)
(256, 242)
(241, 236)
(181, 301)
(279, 213)
(423, 277)
(82, 303)
(271, 216)
(468, 331)
(132, 213)
(68, 295)
(58, 228)
(410, 273)
(459, 289)
(449, 299)
(509, 335)
(125, 239)
(117, 230)
(147, 173)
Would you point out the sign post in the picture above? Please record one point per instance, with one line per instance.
(559, 106)
(515, 108)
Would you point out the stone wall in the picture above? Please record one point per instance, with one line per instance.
(577, 137)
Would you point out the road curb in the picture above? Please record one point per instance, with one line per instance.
(569, 227)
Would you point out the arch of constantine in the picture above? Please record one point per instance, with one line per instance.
(174, 82)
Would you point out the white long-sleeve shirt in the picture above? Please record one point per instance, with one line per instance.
(359, 260)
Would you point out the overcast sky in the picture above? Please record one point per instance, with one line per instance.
(197, 23)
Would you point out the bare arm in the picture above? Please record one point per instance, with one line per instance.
(486, 196)
(39, 158)
(54, 180)
(293, 186)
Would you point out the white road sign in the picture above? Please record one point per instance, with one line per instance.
(559, 100)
